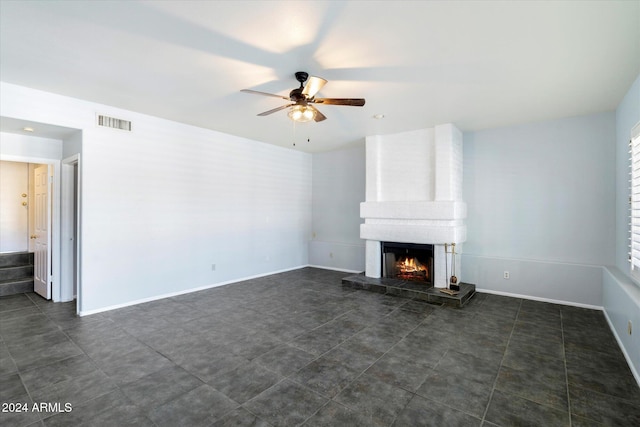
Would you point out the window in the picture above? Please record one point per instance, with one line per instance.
(634, 201)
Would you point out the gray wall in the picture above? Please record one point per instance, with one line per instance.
(621, 295)
(338, 188)
(541, 206)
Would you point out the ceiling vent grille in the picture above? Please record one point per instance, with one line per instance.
(112, 122)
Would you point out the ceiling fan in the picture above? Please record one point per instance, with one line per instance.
(302, 98)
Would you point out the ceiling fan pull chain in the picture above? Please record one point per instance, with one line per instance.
(294, 133)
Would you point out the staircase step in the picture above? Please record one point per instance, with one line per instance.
(16, 287)
(16, 258)
(15, 273)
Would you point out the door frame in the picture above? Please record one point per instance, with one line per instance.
(70, 226)
(54, 245)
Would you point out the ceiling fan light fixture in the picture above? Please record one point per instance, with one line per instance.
(301, 113)
(303, 97)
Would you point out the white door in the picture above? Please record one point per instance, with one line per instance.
(14, 209)
(42, 222)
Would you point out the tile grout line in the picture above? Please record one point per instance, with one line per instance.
(495, 382)
(118, 387)
(566, 372)
(19, 373)
(290, 376)
(331, 399)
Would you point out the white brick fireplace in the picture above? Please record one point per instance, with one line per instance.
(414, 195)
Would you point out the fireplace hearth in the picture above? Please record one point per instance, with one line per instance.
(410, 289)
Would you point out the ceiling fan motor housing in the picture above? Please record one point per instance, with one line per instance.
(296, 95)
(302, 77)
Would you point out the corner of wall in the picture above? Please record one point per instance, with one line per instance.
(621, 301)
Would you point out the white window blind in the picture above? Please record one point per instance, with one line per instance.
(634, 199)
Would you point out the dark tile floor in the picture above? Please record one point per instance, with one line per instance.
(298, 348)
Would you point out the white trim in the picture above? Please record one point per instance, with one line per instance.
(28, 159)
(186, 291)
(67, 275)
(549, 300)
(536, 260)
(624, 350)
(634, 203)
(635, 131)
(344, 270)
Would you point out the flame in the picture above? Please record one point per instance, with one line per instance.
(411, 265)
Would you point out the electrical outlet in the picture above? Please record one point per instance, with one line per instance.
(629, 327)
(213, 267)
(505, 275)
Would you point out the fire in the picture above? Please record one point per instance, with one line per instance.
(410, 264)
(411, 267)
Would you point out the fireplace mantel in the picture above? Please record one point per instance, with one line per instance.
(414, 222)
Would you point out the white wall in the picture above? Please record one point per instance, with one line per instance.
(403, 166)
(338, 189)
(540, 201)
(72, 145)
(621, 295)
(163, 203)
(14, 216)
(18, 146)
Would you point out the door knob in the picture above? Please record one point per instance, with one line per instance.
(24, 203)
(33, 236)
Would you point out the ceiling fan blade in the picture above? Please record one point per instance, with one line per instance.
(264, 93)
(314, 84)
(266, 113)
(319, 116)
(355, 102)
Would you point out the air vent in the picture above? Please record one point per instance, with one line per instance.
(112, 122)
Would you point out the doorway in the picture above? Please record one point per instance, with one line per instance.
(33, 142)
(25, 222)
(65, 264)
(61, 273)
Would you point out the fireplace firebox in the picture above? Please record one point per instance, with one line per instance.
(408, 261)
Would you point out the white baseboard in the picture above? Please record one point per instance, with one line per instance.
(635, 373)
(186, 291)
(344, 270)
(569, 303)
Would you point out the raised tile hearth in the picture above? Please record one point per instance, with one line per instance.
(411, 290)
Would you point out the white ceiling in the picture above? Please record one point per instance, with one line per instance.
(478, 64)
